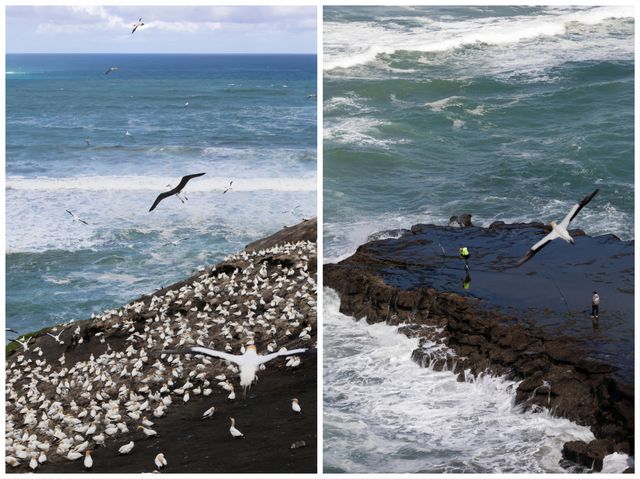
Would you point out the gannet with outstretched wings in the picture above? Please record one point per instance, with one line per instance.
(247, 362)
(558, 230)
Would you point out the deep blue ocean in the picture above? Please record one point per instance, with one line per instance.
(105, 145)
(507, 113)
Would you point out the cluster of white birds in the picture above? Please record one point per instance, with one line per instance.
(68, 407)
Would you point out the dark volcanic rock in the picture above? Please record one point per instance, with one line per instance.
(529, 323)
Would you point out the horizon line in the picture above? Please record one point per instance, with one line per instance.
(160, 53)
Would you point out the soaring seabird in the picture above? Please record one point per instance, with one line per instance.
(57, 336)
(136, 25)
(174, 191)
(248, 362)
(111, 69)
(76, 218)
(291, 211)
(228, 187)
(87, 140)
(558, 230)
(126, 133)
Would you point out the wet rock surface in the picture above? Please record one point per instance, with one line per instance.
(530, 323)
(118, 355)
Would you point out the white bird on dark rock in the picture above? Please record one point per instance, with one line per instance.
(234, 432)
(160, 461)
(558, 230)
(295, 405)
(126, 449)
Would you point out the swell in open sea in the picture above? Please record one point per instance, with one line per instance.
(507, 113)
(105, 145)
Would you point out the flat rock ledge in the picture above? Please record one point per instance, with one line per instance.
(124, 346)
(465, 336)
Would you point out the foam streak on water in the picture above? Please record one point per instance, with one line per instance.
(384, 413)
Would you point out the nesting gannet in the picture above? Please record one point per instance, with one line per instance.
(174, 191)
(234, 432)
(148, 432)
(559, 230)
(111, 69)
(295, 405)
(248, 362)
(126, 449)
(209, 412)
(160, 461)
(88, 460)
(228, 187)
(136, 25)
(76, 218)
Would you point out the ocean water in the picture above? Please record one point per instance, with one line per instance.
(250, 119)
(507, 113)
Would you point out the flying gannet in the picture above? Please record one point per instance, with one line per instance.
(247, 362)
(228, 187)
(57, 336)
(558, 230)
(175, 191)
(111, 69)
(136, 25)
(76, 218)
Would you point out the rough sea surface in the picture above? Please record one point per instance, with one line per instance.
(507, 113)
(250, 119)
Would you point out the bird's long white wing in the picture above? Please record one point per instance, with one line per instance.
(268, 357)
(212, 353)
(567, 219)
(550, 237)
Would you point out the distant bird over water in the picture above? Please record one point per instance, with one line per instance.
(76, 218)
(87, 140)
(174, 191)
(228, 187)
(136, 25)
(559, 230)
(111, 69)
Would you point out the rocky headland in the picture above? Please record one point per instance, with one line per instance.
(531, 324)
(92, 386)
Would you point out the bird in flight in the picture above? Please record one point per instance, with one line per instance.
(558, 230)
(228, 187)
(87, 140)
(247, 362)
(136, 25)
(291, 211)
(111, 69)
(175, 191)
(76, 218)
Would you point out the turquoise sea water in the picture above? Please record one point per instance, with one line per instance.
(507, 113)
(250, 119)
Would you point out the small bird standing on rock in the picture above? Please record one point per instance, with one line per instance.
(160, 461)
(295, 405)
(88, 460)
(126, 449)
(234, 432)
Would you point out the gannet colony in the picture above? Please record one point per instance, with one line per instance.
(103, 383)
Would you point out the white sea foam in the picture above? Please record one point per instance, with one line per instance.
(158, 183)
(384, 413)
(348, 44)
(358, 131)
(616, 463)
